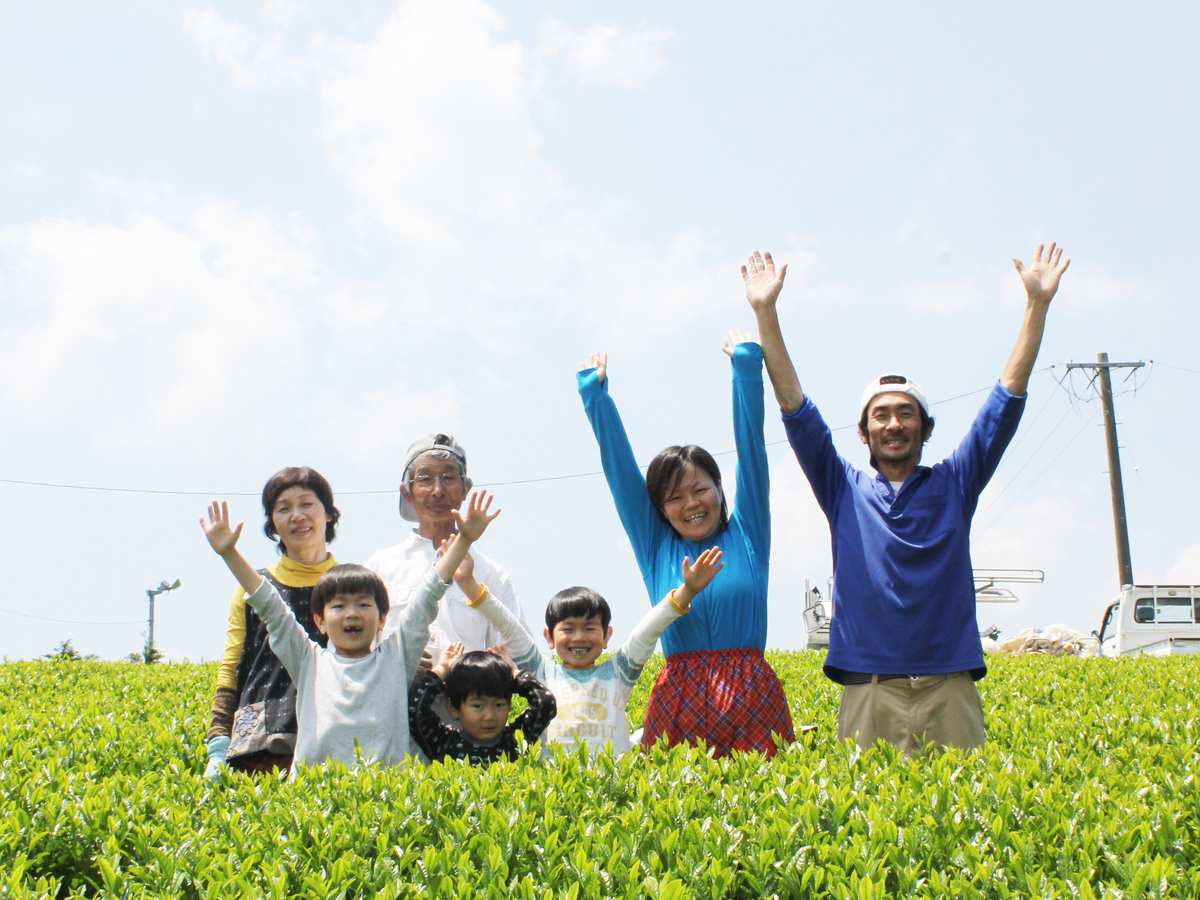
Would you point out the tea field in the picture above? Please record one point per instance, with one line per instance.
(1087, 788)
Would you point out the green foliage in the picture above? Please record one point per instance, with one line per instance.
(1085, 789)
(66, 651)
(149, 655)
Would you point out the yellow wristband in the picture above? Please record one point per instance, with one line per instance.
(675, 604)
(478, 601)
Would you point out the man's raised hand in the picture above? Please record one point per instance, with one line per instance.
(475, 522)
(1041, 278)
(599, 362)
(762, 283)
(737, 336)
(220, 535)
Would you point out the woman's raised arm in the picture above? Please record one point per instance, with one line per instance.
(625, 479)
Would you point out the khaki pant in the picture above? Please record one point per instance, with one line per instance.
(911, 712)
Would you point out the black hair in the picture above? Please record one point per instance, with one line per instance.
(348, 579)
(301, 476)
(577, 601)
(482, 673)
(926, 427)
(667, 470)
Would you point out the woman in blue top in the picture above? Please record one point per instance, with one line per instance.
(716, 685)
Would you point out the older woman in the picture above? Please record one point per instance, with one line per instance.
(254, 710)
(716, 685)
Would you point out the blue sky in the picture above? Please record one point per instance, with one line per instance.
(237, 237)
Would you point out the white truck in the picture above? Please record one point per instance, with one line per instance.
(1152, 620)
(817, 615)
(818, 611)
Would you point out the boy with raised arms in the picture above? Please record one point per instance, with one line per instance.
(348, 694)
(591, 698)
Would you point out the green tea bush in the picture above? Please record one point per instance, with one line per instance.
(1085, 789)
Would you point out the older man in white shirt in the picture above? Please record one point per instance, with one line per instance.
(435, 484)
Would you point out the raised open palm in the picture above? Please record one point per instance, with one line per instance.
(762, 283)
(221, 535)
(1041, 278)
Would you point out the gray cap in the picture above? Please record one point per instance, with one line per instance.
(432, 440)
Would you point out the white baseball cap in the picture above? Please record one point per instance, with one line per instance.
(893, 384)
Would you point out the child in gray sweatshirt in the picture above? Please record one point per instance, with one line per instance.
(349, 693)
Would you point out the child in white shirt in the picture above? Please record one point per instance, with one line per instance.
(347, 693)
(591, 698)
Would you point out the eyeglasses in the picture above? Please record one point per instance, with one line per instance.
(448, 481)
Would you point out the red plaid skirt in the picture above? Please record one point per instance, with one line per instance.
(730, 699)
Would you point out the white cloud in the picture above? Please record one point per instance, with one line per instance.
(193, 324)
(1090, 289)
(171, 315)
(1186, 568)
(807, 286)
(279, 12)
(1030, 535)
(376, 424)
(943, 297)
(1083, 287)
(429, 123)
(255, 62)
(606, 54)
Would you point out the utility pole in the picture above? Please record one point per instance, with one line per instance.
(1100, 369)
(151, 593)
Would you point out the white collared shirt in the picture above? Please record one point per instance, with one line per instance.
(404, 565)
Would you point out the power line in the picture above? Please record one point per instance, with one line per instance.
(123, 490)
(119, 490)
(1031, 458)
(13, 612)
(1180, 368)
(1072, 396)
(1039, 475)
(1026, 430)
(490, 484)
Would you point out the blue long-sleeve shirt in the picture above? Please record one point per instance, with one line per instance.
(903, 593)
(731, 613)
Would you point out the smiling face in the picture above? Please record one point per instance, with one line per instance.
(300, 521)
(895, 433)
(578, 640)
(435, 491)
(483, 718)
(693, 506)
(351, 621)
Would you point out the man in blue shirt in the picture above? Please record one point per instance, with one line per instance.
(903, 640)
